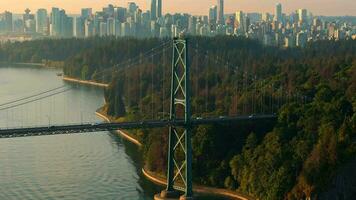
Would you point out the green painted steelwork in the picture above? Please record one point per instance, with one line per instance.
(180, 138)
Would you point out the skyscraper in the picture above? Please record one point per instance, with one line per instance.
(192, 25)
(220, 12)
(79, 30)
(55, 22)
(159, 8)
(131, 7)
(239, 17)
(302, 15)
(120, 14)
(29, 21)
(68, 26)
(42, 23)
(213, 14)
(8, 21)
(27, 15)
(103, 29)
(278, 12)
(110, 26)
(153, 9)
(88, 28)
(86, 13)
(61, 24)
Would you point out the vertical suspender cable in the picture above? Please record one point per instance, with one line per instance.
(152, 99)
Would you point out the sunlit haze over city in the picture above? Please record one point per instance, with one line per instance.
(319, 7)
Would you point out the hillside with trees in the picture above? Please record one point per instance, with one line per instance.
(296, 157)
(312, 90)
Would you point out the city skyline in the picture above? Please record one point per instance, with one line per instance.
(277, 28)
(329, 8)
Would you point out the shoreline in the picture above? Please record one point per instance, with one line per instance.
(120, 132)
(19, 63)
(156, 179)
(197, 188)
(151, 176)
(93, 83)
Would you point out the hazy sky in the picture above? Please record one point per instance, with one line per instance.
(317, 7)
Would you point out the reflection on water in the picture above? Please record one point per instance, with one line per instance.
(83, 166)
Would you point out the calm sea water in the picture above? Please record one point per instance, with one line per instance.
(83, 166)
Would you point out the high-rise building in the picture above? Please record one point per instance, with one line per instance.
(163, 32)
(27, 15)
(110, 26)
(120, 14)
(239, 17)
(301, 39)
(154, 29)
(302, 15)
(278, 13)
(109, 10)
(266, 17)
(213, 14)
(220, 8)
(131, 7)
(8, 26)
(42, 21)
(246, 23)
(96, 23)
(18, 26)
(239, 22)
(117, 28)
(153, 9)
(79, 30)
(29, 21)
(88, 28)
(55, 22)
(138, 16)
(103, 29)
(30, 26)
(68, 26)
(86, 13)
(289, 41)
(159, 8)
(61, 25)
(125, 29)
(191, 25)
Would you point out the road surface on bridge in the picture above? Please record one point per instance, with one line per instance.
(97, 127)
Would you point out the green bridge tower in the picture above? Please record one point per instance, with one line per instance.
(179, 172)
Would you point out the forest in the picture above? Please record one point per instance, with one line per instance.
(312, 91)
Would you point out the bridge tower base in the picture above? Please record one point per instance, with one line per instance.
(176, 197)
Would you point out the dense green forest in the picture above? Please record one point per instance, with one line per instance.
(37, 51)
(294, 158)
(312, 90)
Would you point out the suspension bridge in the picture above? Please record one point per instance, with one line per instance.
(178, 112)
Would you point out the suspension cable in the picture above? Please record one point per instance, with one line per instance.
(135, 59)
(29, 97)
(35, 100)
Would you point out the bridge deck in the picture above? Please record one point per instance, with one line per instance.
(97, 127)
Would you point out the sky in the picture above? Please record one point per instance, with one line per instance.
(198, 7)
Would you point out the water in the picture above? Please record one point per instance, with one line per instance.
(82, 166)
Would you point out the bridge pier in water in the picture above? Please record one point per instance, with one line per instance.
(179, 170)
